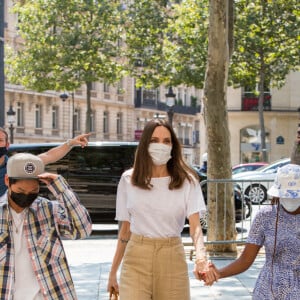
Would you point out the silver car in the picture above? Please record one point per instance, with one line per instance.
(255, 184)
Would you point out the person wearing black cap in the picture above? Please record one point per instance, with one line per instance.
(33, 263)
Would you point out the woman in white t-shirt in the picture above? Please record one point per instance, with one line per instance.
(153, 201)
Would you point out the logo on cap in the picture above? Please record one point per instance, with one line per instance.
(29, 168)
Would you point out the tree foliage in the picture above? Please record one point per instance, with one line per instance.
(186, 47)
(146, 22)
(167, 42)
(66, 44)
(266, 40)
(267, 47)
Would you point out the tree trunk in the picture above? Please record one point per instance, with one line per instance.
(261, 99)
(88, 125)
(221, 222)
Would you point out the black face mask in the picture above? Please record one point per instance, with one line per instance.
(3, 151)
(23, 200)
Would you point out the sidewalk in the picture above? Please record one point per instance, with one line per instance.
(90, 262)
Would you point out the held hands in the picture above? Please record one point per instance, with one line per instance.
(206, 271)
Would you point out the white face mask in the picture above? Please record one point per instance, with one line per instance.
(290, 205)
(160, 153)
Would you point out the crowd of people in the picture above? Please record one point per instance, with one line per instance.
(154, 199)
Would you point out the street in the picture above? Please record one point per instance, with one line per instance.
(90, 262)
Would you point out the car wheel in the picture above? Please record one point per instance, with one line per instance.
(257, 193)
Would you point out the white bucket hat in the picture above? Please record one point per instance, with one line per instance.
(286, 183)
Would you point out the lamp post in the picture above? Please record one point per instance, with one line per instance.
(63, 97)
(73, 121)
(11, 120)
(170, 101)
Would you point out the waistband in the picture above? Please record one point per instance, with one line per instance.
(155, 241)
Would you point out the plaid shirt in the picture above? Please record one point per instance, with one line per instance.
(45, 224)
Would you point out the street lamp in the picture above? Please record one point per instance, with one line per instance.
(63, 97)
(170, 101)
(11, 120)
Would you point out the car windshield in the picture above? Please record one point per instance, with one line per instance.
(272, 168)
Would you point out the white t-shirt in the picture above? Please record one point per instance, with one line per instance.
(26, 285)
(158, 212)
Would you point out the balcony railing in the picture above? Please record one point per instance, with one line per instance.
(250, 101)
(158, 105)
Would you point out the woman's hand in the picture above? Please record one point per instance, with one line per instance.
(112, 282)
(212, 275)
(200, 267)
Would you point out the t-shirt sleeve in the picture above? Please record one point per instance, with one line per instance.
(195, 202)
(122, 213)
(256, 234)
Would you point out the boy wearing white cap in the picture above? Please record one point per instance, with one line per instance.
(277, 228)
(33, 263)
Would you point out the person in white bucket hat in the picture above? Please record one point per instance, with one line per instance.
(277, 228)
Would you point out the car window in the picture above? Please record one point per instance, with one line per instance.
(274, 167)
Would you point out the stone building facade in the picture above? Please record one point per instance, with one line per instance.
(119, 112)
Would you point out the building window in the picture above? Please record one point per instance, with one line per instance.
(178, 96)
(187, 135)
(105, 87)
(120, 88)
(119, 123)
(180, 133)
(151, 95)
(92, 121)
(54, 117)
(185, 97)
(38, 116)
(20, 114)
(77, 114)
(93, 86)
(251, 150)
(105, 122)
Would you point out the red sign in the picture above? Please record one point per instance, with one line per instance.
(138, 134)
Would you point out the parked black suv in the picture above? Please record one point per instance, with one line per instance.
(93, 172)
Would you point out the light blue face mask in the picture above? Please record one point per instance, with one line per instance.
(290, 204)
(160, 153)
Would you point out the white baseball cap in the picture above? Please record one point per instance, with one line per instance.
(24, 166)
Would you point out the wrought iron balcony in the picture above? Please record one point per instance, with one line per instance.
(158, 105)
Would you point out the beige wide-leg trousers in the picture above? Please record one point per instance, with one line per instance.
(154, 269)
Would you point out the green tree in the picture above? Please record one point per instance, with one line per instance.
(146, 23)
(267, 47)
(186, 43)
(66, 44)
(166, 42)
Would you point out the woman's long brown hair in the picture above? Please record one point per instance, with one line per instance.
(142, 168)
